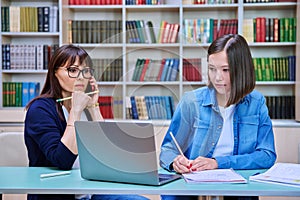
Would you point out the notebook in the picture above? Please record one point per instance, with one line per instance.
(119, 151)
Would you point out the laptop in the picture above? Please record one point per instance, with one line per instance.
(119, 151)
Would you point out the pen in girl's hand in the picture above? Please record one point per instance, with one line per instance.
(67, 98)
(177, 145)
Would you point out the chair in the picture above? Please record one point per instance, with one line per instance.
(13, 152)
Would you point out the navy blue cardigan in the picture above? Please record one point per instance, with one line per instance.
(43, 131)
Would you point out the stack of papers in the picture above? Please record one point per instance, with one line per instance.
(280, 173)
(214, 176)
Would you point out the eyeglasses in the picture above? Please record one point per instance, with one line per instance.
(74, 72)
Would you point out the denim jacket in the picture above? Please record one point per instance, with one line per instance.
(197, 124)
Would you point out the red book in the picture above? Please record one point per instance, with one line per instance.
(258, 29)
(163, 61)
(174, 33)
(145, 67)
(106, 106)
(215, 29)
(276, 29)
(263, 29)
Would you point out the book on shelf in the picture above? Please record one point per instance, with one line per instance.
(106, 106)
(30, 19)
(117, 107)
(275, 68)
(205, 30)
(287, 174)
(192, 69)
(150, 107)
(140, 31)
(95, 2)
(168, 32)
(150, 31)
(281, 107)
(95, 31)
(214, 176)
(141, 107)
(18, 94)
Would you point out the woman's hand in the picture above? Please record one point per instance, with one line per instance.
(202, 163)
(181, 164)
(79, 101)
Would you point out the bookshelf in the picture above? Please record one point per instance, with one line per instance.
(118, 47)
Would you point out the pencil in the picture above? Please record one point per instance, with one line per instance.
(55, 174)
(177, 145)
(67, 98)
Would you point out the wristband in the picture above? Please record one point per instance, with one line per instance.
(93, 105)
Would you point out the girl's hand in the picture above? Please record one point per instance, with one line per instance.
(202, 163)
(181, 164)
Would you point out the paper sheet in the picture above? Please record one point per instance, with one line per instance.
(214, 176)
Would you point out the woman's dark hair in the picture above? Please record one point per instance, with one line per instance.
(242, 74)
(65, 54)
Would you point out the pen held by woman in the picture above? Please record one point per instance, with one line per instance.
(67, 98)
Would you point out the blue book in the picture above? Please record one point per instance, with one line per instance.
(168, 107)
(135, 114)
(165, 70)
(172, 105)
(25, 93)
(148, 105)
(170, 66)
(34, 89)
(174, 70)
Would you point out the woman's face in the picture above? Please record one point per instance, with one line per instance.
(218, 73)
(69, 84)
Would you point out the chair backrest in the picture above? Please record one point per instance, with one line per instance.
(13, 151)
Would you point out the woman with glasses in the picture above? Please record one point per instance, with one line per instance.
(49, 123)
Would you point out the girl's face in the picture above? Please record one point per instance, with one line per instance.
(219, 76)
(75, 82)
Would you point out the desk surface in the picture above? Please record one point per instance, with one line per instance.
(19, 180)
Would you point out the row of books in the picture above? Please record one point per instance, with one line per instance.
(206, 30)
(29, 19)
(168, 32)
(267, 1)
(192, 69)
(213, 1)
(95, 2)
(144, 2)
(96, 31)
(108, 69)
(150, 70)
(281, 107)
(263, 29)
(149, 107)
(27, 56)
(140, 31)
(275, 69)
(110, 107)
(18, 94)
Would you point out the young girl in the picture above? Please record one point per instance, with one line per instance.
(223, 125)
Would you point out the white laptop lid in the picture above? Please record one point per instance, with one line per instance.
(119, 151)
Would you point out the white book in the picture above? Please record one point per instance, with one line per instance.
(280, 173)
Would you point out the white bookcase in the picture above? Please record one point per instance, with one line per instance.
(175, 12)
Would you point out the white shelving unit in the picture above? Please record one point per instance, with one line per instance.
(173, 13)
